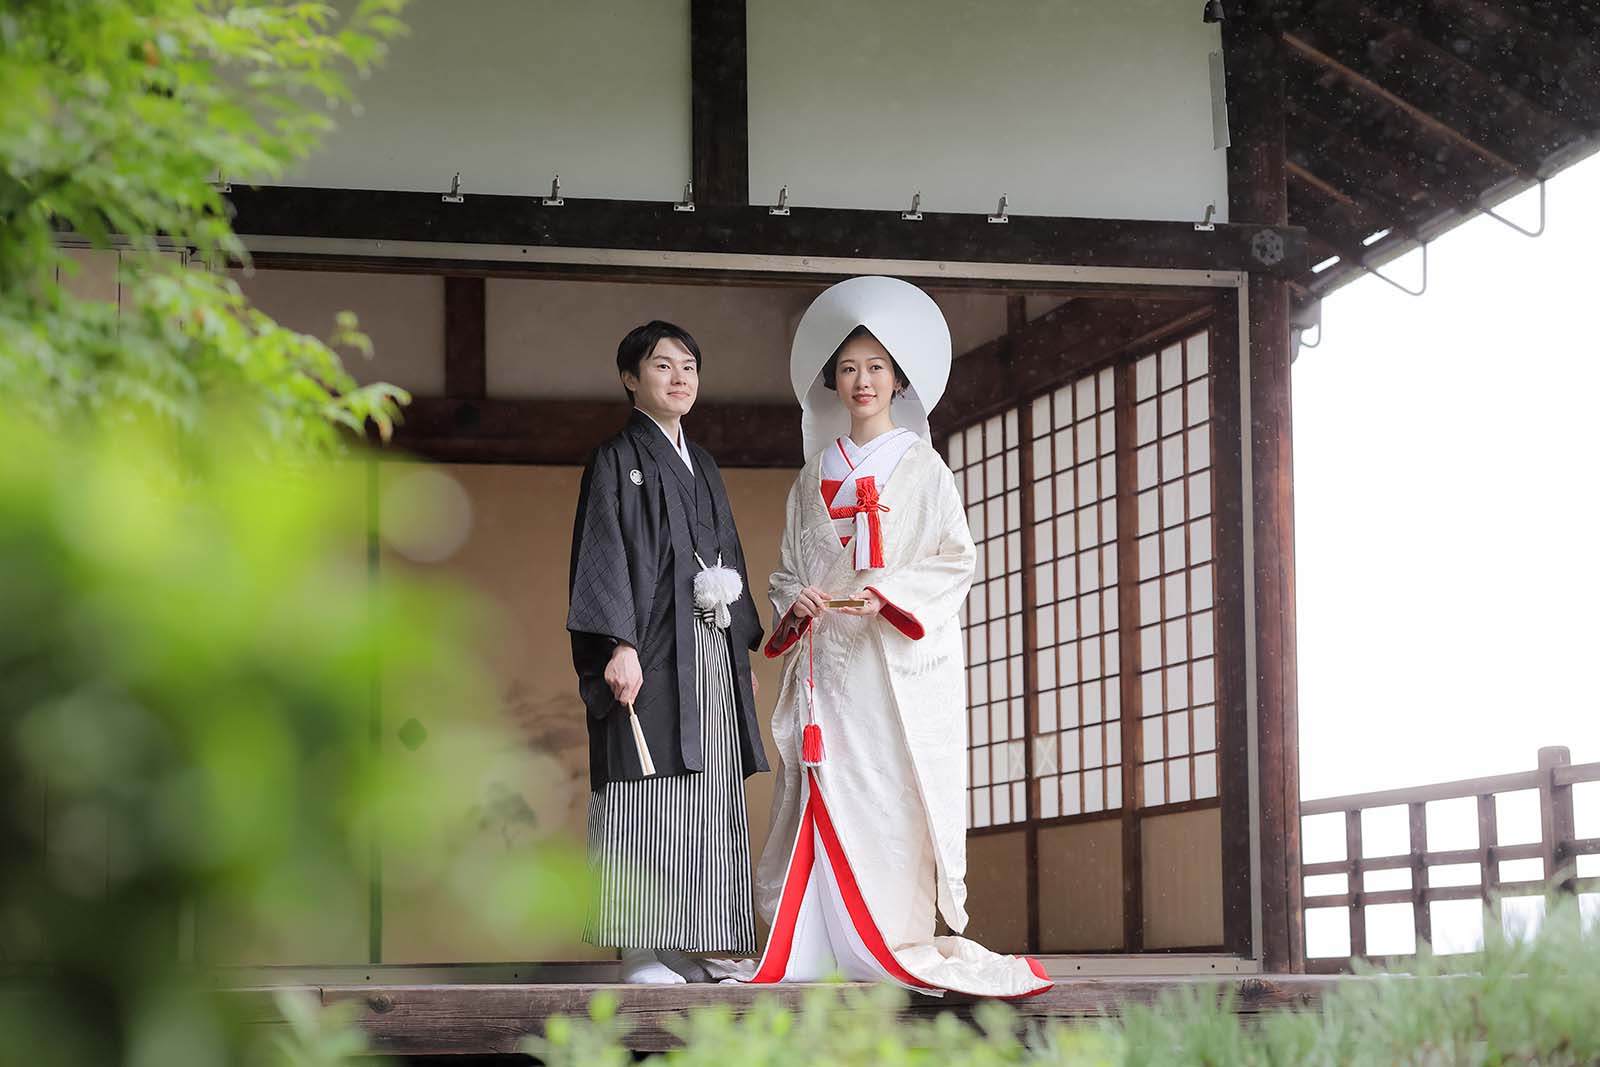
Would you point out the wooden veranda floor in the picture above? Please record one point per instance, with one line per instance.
(484, 1018)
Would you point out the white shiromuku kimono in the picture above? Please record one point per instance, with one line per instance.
(869, 844)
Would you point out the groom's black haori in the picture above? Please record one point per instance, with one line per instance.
(670, 851)
(633, 567)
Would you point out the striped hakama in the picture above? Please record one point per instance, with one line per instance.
(669, 856)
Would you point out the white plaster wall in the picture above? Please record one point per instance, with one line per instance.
(1073, 107)
(510, 92)
(1095, 108)
(403, 315)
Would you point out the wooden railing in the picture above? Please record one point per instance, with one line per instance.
(1558, 849)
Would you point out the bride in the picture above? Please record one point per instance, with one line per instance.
(868, 840)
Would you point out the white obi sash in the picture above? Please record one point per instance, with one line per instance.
(852, 478)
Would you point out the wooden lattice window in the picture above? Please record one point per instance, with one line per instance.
(1095, 646)
(1078, 741)
(986, 461)
(1177, 587)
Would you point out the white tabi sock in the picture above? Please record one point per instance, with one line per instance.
(691, 969)
(640, 967)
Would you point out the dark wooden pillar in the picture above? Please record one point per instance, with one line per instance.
(466, 363)
(720, 105)
(1258, 193)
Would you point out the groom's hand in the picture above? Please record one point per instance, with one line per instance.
(810, 604)
(623, 674)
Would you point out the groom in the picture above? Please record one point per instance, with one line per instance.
(669, 850)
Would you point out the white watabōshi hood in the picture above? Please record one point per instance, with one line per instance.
(904, 319)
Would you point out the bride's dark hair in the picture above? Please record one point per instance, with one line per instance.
(830, 369)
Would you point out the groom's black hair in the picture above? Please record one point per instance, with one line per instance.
(830, 369)
(641, 342)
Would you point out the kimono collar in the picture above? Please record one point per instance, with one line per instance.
(680, 446)
(853, 477)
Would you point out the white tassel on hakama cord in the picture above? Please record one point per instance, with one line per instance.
(716, 588)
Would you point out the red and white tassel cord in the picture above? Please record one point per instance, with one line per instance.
(811, 751)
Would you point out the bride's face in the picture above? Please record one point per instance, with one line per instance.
(864, 377)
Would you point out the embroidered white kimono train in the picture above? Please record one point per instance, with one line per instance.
(868, 845)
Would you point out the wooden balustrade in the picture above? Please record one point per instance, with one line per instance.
(1558, 849)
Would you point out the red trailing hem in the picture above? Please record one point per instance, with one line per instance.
(899, 618)
(775, 962)
(1038, 972)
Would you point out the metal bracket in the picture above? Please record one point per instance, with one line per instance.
(1385, 278)
(454, 195)
(1303, 343)
(222, 185)
(782, 206)
(915, 214)
(554, 199)
(687, 203)
(1493, 214)
(1205, 225)
(1000, 212)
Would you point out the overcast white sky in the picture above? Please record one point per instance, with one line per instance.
(1447, 467)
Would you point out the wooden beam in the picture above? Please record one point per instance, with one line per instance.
(445, 1020)
(1560, 69)
(1410, 26)
(719, 102)
(1363, 166)
(641, 226)
(1055, 348)
(466, 364)
(1423, 118)
(1258, 190)
(561, 433)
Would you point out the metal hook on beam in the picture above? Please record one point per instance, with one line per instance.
(915, 214)
(782, 206)
(454, 195)
(687, 203)
(1302, 338)
(1001, 213)
(1206, 225)
(554, 199)
(1376, 273)
(1493, 214)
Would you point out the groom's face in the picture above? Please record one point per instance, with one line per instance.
(668, 380)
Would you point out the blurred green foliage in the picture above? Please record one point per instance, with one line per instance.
(115, 117)
(202, 684)
(1522, 1000)
(187, 738)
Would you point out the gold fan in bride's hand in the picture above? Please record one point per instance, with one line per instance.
(845, 602)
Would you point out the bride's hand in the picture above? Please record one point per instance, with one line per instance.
(874, 604)
(810, 604)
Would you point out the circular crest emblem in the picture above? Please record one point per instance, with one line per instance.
(1267, 247)
(636, 477)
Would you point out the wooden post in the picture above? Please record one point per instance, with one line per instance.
(1422, 918)
(1030, 666)
(466, 365)
(1258, 193)
(1128, 608)
(1488, 838)
(1357, 888)
(1557, 826)
(720, 104)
